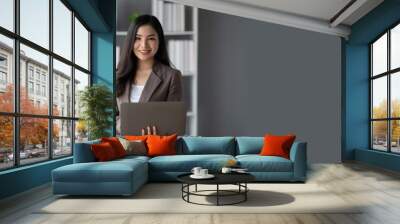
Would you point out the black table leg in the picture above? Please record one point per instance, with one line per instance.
(245, 193)
(217, 194)
(188, 189)
(182, 189)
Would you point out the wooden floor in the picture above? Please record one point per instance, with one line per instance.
(353, 182)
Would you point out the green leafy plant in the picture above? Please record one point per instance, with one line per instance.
(132, 17)
(96, 103)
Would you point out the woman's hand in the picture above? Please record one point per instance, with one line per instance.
(152, 131)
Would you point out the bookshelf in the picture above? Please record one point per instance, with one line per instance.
(180, 24)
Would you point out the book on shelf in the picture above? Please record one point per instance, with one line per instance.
(181, 54)
(171, 15)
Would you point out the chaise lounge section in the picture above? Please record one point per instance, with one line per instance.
(125, 176)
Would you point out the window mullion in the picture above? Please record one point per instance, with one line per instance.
(389, 106)
(16, 84)
(50, 77)
(371, 139)
(73, 82)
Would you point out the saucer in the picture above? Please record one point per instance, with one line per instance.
(208, 176)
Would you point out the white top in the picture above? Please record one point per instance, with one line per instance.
(136, 92)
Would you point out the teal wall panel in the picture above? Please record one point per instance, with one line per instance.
(103, 50)
(103, 58)
(357, 100)
(377, 158)
(89, 11)
(24, 178)
(357, 84)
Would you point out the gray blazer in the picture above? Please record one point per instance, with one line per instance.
(163, 84)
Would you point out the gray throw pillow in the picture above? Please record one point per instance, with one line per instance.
(137, 148)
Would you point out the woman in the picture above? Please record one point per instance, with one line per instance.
(144, 73)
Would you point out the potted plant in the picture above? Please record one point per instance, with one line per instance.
(96, 105)
(132, 17)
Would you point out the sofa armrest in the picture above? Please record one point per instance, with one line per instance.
(83, 152)
(298, 155)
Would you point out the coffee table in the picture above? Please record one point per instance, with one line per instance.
(238, 179)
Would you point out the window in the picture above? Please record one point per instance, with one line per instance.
(62, 30)
(3, 71)
(38, 89)
(54, 126)
(34, 22)
(30, 87)
(7, 14)
(63, 75)
(3, 61)
(385, 91)
(37, 74)
(7, 90)
(3, 77)
(81, 45)
(43, 90)
(30, 72)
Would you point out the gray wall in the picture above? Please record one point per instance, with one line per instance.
(257, 78)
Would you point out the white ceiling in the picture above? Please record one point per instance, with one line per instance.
(314, 15)
(319, 9)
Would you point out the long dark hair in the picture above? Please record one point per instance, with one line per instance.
(128, 61)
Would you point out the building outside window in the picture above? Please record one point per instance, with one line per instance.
(43, 77)
(385, 91)
(3, 61)
(56, 135)
(3, 78)
(30, 87)
(38, 89)
(30, 72)
(43, 90)
(3, 71)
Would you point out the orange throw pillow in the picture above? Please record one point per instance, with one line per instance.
(161, 145)
(103, 152)
(277, 145)
(136, 137)
(116, 145)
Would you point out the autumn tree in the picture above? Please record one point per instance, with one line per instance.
(33, 131)
(380, 127)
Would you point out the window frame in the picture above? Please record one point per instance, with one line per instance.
(388, 74)
(16, 115)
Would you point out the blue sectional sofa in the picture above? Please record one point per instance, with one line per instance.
(125, 176)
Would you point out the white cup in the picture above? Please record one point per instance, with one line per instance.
(226, 170)
(196, 171)
(203, 172)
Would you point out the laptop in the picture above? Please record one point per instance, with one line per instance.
(168, 117)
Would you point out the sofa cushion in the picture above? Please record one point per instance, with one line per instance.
(161, 145)
(275, 145)
(257, 163)
(208, 145)
(112, 171)
(249, 145)
(134, 147)
(136, 137)
(185, 163)
(103, 152)
(116, 145)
